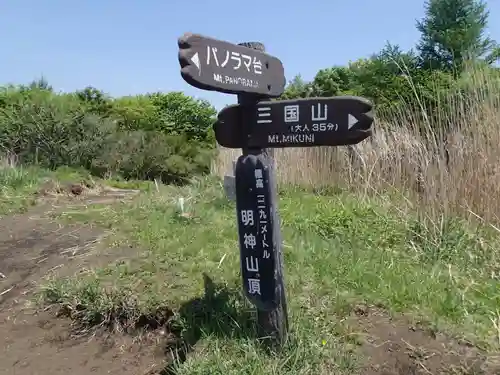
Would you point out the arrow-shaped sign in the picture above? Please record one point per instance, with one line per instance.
(336, 121)
(211, 64)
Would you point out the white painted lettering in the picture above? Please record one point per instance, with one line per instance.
(240, 81)
(212, 52)
(252, 266)
(247, 61)
(254, 286)
(290, 138)
(257, 66)
(218, 77)
(225, 60)
(247, 217)
(319, 116)
(249, 241)
(272, 139)
(321, 127)
(236, 57)
(291, 113)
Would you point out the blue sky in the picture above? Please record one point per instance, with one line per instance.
(129, 47)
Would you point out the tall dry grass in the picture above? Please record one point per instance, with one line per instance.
(407, 158)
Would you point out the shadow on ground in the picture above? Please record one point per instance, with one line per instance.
(220, 312)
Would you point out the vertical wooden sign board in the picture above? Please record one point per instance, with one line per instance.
(260, 243)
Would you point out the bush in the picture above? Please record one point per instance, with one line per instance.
(146, 155)
(165, 136)
(181, 114)
(51, 130)
(172, 113)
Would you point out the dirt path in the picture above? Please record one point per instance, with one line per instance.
(31, 247)
(32, 244)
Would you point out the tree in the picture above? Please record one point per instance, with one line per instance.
(136, 113)
(297, 88)
(97, 102)
(452, 32)
(182, 114)
(337, 80)
(332, 81)
(41, 84)
(386, 77)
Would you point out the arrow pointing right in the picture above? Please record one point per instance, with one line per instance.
(351, 121)
(196, 60)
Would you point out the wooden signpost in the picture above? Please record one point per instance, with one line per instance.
(337, 121)
(257, 126)
(211, 64)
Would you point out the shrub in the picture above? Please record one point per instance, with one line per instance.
(165, 136)
(181, 114)
(146, 155)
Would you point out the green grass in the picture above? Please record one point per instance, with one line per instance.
(339, 251)
(121, 183)
(19, 185)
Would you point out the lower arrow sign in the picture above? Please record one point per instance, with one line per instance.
(338, 121)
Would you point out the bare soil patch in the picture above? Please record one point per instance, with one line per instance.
(31, 247)
(396, 346)
(42, 344)
(32, 244)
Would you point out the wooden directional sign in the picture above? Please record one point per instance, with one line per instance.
(212, 64)
(335, 121)
(256, 222)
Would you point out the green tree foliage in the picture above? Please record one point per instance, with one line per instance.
(95, 100)
(333, 81)
(421, 81)
(453, 31)
(40, 83)
(136, 113)
(146, 154)
(385, 77)
(181, 114)
(297, 88)
(162, 136)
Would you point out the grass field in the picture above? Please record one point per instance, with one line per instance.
(341, 252)
(20, 187)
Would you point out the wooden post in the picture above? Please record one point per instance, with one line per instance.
(273, 321)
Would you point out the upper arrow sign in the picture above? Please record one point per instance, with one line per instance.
(212, 64)
(336, 121)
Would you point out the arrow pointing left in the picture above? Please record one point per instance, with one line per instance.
(196, 61)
